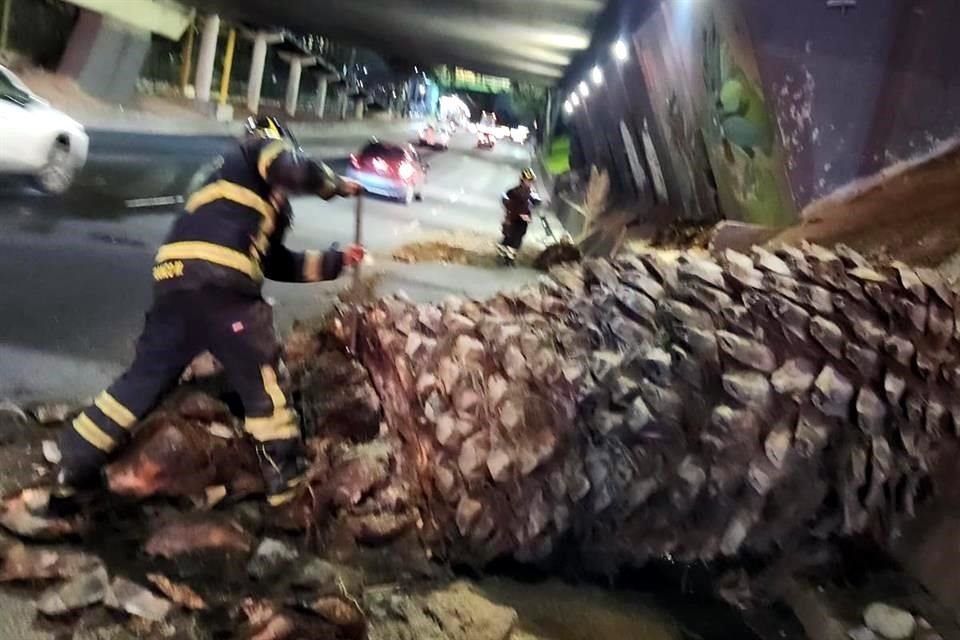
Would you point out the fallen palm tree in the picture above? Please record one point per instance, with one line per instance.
(652, 407)
(658, 406)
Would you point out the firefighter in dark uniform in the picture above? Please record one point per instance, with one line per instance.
(207, 280)
(518, 204)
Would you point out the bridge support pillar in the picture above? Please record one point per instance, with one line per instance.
(257, 65)
(207, 57)
(321, 97)
(293, 86)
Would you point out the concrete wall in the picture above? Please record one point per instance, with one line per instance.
(105, 56)
(858, 90)
(754, 108)
(40, 30)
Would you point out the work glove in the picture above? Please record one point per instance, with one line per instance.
(353, 255)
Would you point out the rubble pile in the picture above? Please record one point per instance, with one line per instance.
(658, 406)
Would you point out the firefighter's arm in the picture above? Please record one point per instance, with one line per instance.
(283, 166)
(283, 265)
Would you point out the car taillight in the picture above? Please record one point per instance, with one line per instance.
(354, 161)
(405, 170)
(380, 165)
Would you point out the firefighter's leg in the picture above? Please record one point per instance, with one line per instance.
(163, 350)
(243, 339)
(509, 247)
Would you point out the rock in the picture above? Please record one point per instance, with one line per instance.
(203, 366)
(197, 534)
(327, 579)
(10, 408)
(27, 564)
(129, 597)
(24, 514)
(79, 592)
(890, 622)
(271, 558)
(463, 614)
(180, 594)
(51, 452)
(863, 633)
(49, 414)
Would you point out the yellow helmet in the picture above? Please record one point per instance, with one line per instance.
(528, 175)
(266, 127)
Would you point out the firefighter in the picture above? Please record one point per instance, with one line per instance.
(518, 204)
(207, 278)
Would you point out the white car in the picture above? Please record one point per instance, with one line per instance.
(435, 138)
(36, 140)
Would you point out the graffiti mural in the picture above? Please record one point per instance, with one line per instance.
(716, 126)
(739, 128)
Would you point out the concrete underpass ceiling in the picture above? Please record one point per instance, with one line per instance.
(532, 40)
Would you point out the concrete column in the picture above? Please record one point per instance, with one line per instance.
(207, 57)
(293, 86)
(257, 64)
(358, 109)
(321, 97)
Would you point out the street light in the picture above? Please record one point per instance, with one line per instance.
(423, 89)
(597, 76)
(574, 100)
(568, 108)
(584, 89)
(620, 51)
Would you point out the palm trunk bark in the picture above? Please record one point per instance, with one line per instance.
(666, 406)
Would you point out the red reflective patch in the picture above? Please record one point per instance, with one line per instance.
(237, 327)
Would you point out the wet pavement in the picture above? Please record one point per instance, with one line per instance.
(76, 270)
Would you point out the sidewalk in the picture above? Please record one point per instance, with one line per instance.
(157, 115)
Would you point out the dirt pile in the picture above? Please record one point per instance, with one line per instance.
(480, 251)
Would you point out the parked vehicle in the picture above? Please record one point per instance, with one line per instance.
(435, 138)
(38, 141)
(391, 170)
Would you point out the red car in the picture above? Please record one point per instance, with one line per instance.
(391, 170)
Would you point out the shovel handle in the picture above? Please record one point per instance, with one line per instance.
(358, 240)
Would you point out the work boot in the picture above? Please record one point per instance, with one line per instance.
(81, 464)
(283, 464)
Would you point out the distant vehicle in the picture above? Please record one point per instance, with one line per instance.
(435, 138)
(391, 170)
(39, 141)
(488, 119)
(519, 134)
(485, 141)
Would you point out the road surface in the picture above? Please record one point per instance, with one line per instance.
(76, 271)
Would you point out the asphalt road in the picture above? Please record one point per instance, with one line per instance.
(75, 272)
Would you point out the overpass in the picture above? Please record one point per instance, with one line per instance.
(531, 40)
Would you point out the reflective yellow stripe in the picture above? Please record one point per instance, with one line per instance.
(114, 410)
(268, 155)
(312, 266)
(225, 190)
(93, 434)
(210, 253)
(282, 498)
(282, 425)
(272, 387)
